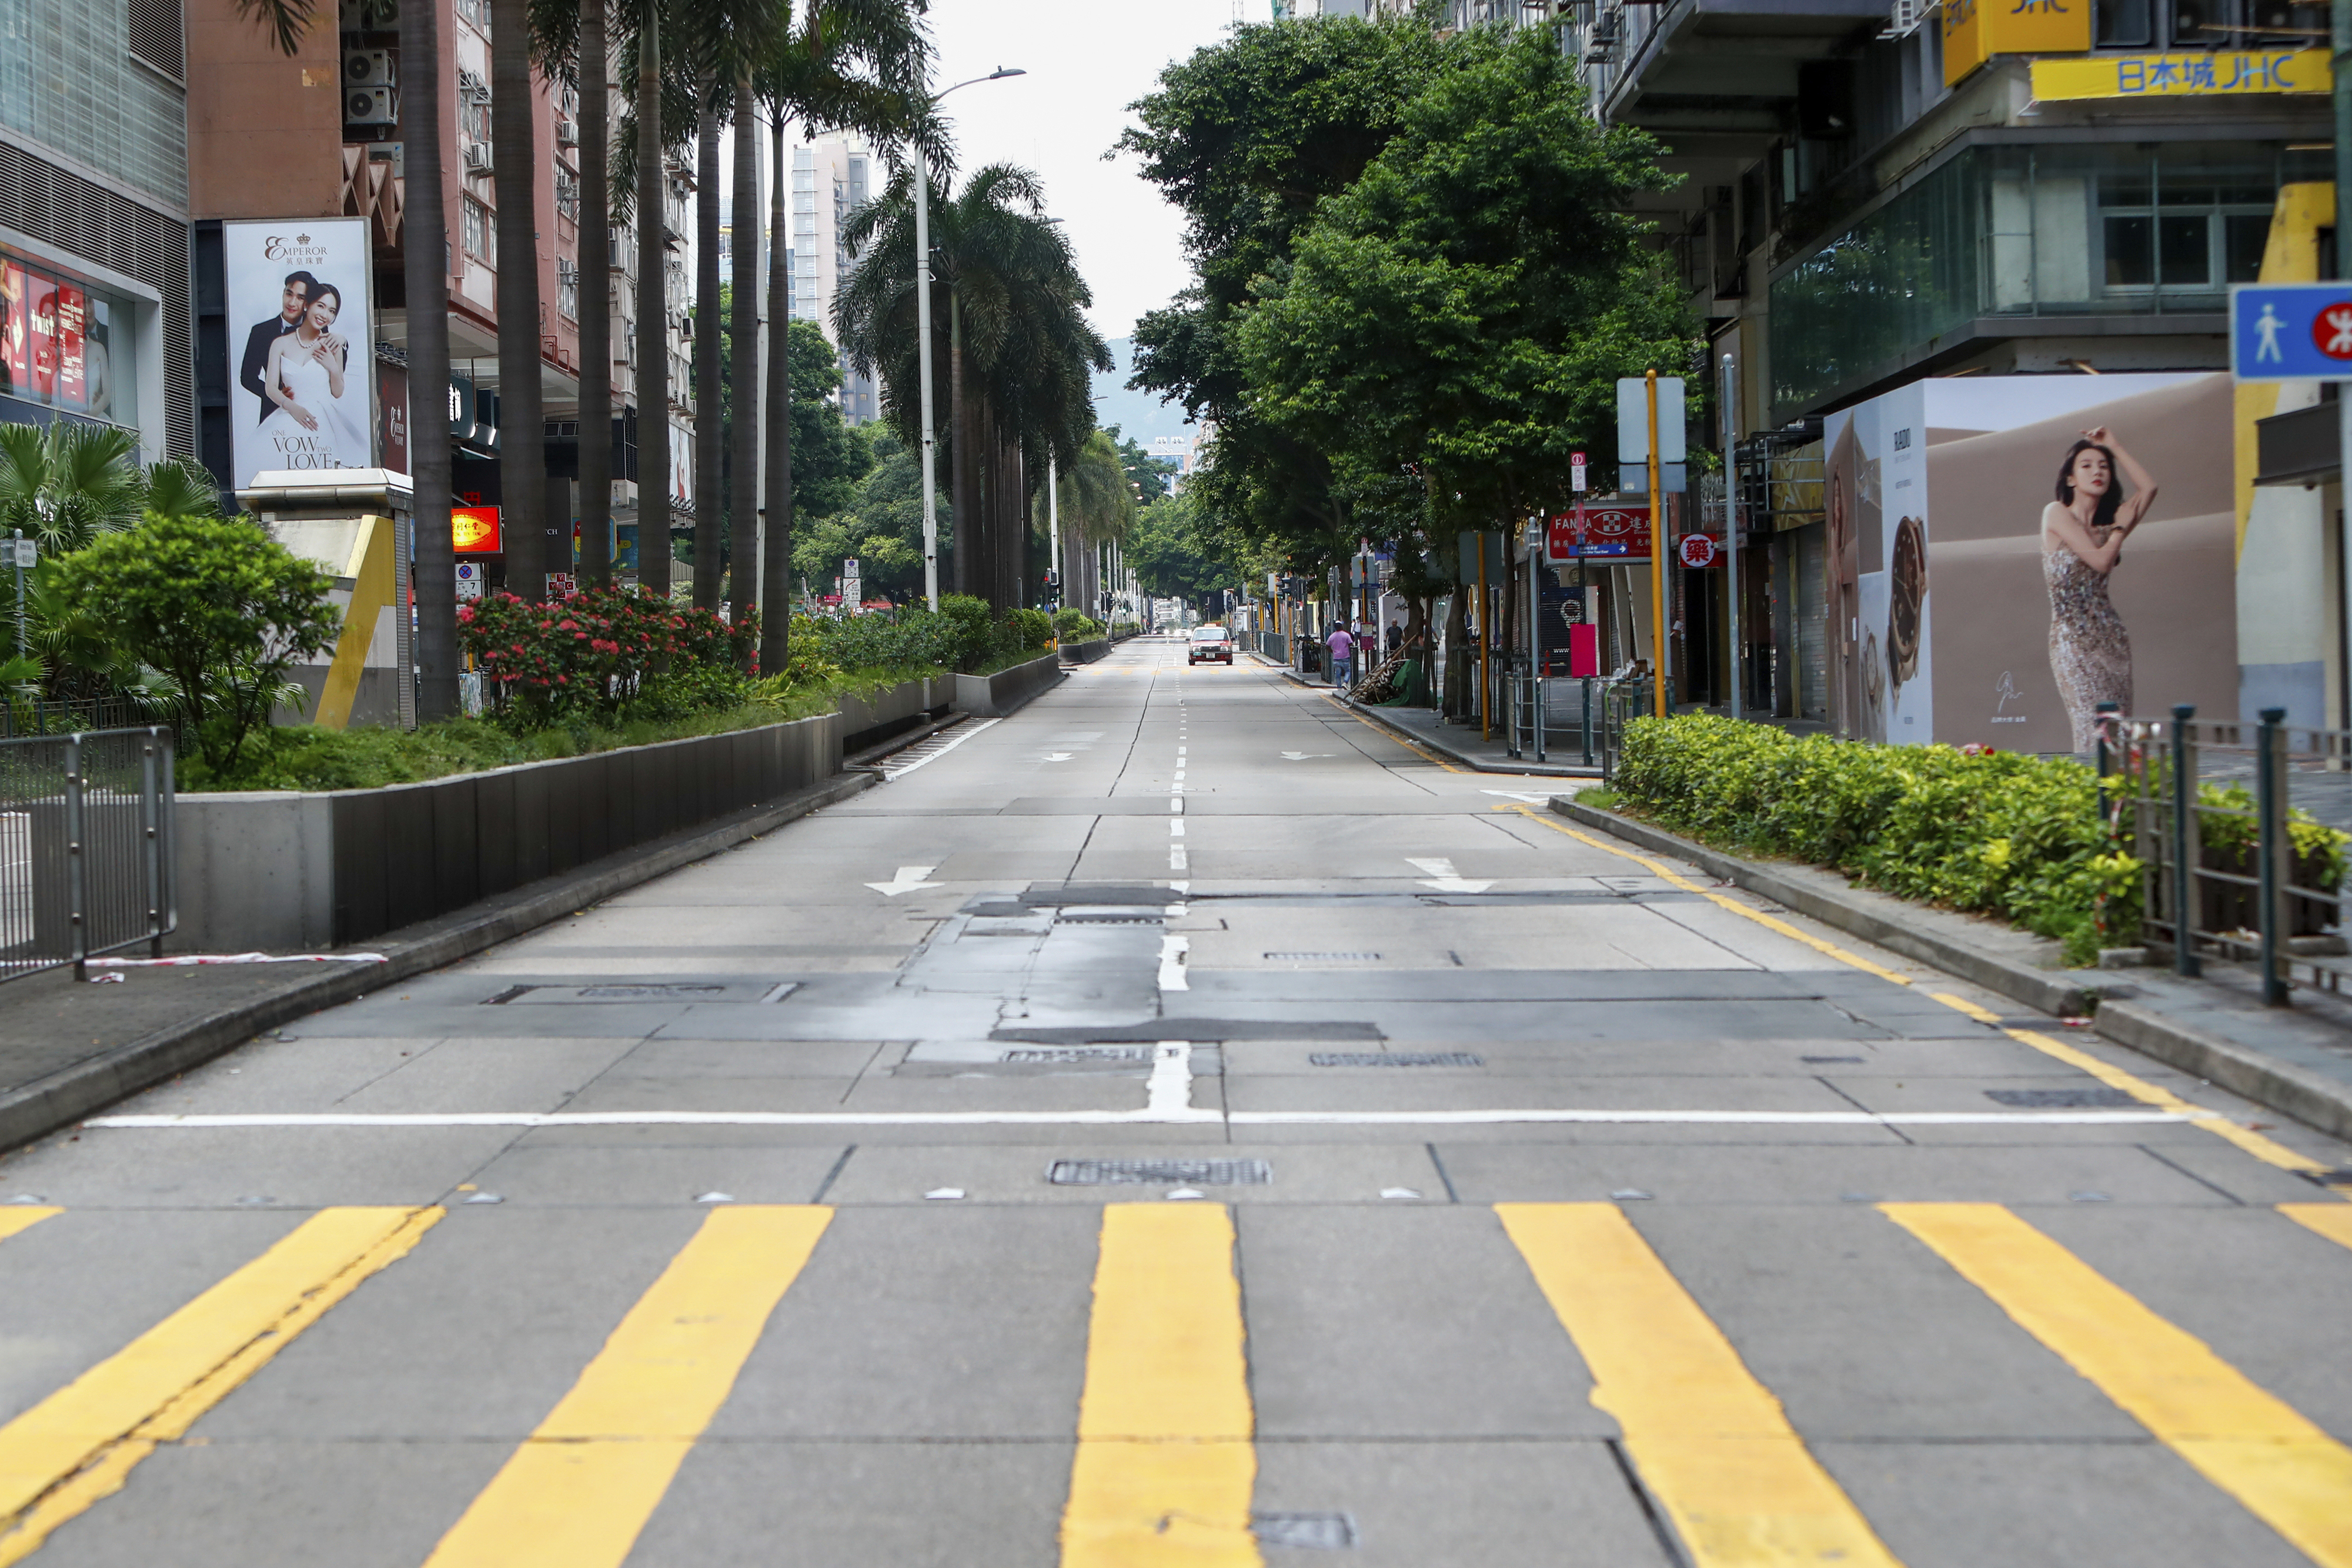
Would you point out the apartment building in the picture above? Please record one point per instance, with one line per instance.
(832, 178)
(95, 312)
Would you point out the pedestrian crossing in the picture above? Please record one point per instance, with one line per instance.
(1164, 1463)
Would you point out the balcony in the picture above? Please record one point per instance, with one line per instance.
(1716, 64)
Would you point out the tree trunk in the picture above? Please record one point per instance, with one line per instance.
(653, 324)
(424, 233)
(775, 587)
(743, 498)
(522, 429)
(709, 417)
(960, 504)
(595, 301)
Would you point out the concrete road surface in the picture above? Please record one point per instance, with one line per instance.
(1178, 1124)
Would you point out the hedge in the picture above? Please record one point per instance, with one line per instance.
(1991, 832)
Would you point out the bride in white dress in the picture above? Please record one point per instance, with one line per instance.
(320, 420)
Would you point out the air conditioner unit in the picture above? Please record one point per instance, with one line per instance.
(371, 105)
(567, 132)
(367, 67)
(477, 158)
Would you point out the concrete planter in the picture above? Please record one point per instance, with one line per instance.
(993, 696)
(875, 715)
(1086, 652)
(285, 871)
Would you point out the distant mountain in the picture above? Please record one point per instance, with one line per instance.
(1140, 415)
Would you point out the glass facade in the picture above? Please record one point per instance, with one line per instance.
(66, 344)
(68, 80)
(2039, 231)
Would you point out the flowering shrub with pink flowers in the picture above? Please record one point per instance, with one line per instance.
(590, 655)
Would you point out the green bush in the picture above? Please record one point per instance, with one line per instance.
(1075, 626)
(1996, 833)
(1029, 630)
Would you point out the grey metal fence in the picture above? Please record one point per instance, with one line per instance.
(1620, 702)
(86, 851)
(2209, 808)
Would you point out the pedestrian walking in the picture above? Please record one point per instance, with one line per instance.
(1343, 655)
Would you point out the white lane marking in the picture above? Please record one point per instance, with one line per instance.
(1168, 1089)
(1306, 755)
(1059, 755)
(1177, 861)
(933, 756)
(1176, 827)
(908, 879)
(392, 1120)
(1172, 950)
(1176, 802)
(1442, 877)
(1519, 795)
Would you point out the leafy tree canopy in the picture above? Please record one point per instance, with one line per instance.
(1172, 556)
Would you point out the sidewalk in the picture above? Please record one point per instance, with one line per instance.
(2297, 1060)
(1564, 748)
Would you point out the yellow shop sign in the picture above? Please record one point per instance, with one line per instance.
(1976, 30)
(2179, 75)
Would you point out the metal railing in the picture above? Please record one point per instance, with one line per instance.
(2209, 808)
(1621, 702)
(32, 715)
(86, 847)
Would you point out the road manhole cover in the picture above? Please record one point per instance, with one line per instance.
(1051, 1055)
(1310, 1531)
(2059, 1099)
(648, 991)
(1160, 1173)
(1395, 1059)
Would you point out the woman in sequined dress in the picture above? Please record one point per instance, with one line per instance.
(2083, 534)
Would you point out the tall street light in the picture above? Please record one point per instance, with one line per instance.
(923, 346)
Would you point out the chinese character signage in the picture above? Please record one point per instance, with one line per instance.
(474, 530)
(1620, 533)
(2179, 75)
(1976, 30)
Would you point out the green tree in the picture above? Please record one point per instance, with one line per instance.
(215, 604)
(1170, 557)
(66, 484)
(1098, 507)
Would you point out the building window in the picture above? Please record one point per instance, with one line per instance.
(481, 238)
(567, 194)
(567, 288)
(65, 344)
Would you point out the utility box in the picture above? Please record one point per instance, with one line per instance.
(355, 524)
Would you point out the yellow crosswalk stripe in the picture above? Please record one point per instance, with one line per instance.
(79, 1445)
(581, 1488)
(1710, 1442)
(1166, 1461)
(14, 1220)
(2332, 1221)
(2247, 1441)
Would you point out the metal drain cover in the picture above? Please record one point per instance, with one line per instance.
(1051, 1055)
(1308, 1532)
(2058, 1099)
(1395, 1059)
(1322, 958)
(649, 991)
(1160, 1173)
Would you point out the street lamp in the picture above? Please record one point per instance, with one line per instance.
(923, 344)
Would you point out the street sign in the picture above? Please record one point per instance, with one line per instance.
(471, 575)
(1621, 533)
(1575, 472)
(2291, 331)
(1697, 551)
(28, 553)
(1634, 419)
(561, 586)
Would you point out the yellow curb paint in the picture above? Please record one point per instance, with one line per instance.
(2266, 1150)
(1657, 869)
(1166, 1461)
(581, 1488)
(2283, 1469)
(1422, 752)
(80, 1444)
(1712, 1444)
(16, 1220)
(2331, 1220)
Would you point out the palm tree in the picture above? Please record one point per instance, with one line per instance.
(522, 426)
(1098, 507)
(1019, 352)
(639, 196)
(66, 484)
(595, 299)
(709, 447)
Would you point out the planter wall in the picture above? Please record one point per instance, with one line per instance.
(870, 716)
(993, 696)
(1086, 652)
(285, 871)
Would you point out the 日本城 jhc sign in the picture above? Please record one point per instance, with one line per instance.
(1976, 30)
(2179, 75)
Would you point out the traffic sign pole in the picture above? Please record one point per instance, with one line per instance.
(1657, 563)
(1731, 532)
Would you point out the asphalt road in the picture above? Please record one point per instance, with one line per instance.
(1178, 1124)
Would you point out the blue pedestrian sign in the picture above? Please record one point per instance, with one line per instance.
(2291, 331)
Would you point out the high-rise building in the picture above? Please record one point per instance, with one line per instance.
(832, 178)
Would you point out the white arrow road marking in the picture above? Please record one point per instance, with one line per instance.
(1305, 756)
(1168, 1089)
(1518, 795)
(1441, 876)
(1059, 755)
(908, 879)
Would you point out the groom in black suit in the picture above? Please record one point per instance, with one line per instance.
(300, 288)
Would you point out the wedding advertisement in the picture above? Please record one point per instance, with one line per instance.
(2078, 535)
(302, 383)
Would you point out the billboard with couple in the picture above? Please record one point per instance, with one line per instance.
(302, 383)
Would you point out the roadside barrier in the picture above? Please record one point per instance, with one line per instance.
(86, 847)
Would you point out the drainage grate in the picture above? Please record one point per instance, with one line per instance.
(1395, 1059)
(2058, 1099)
(1819, 1060)
(1111, 917)
(1037, 1056)
(1160, 1173)
(1322, 958)
(650, 991)
(1305, 1532)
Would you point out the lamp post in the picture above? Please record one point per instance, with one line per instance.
(923, 345)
